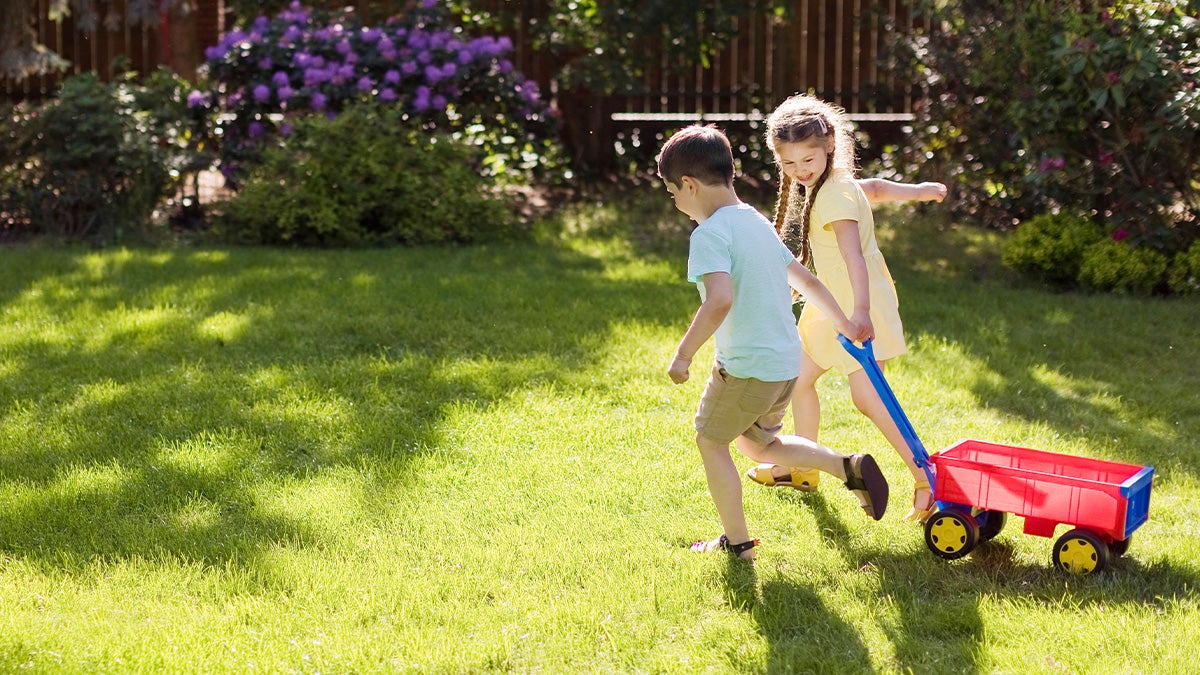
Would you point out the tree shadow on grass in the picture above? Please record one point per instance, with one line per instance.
(934, 631)
(803, 635)
(215, 374)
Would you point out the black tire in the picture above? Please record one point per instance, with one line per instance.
(1080, 552)
(951, 534)
(1118, 547)
(990, 523)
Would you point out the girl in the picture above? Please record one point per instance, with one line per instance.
(824, 216)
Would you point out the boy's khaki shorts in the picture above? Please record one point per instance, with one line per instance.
(732, 407)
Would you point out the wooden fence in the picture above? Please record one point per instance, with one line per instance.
(830, 47)
(146, 47)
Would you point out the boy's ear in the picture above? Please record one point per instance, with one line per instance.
(689, 184)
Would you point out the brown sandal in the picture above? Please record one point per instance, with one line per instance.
(864, 478)
(722, 543)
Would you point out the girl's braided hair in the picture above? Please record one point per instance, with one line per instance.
(806, 118)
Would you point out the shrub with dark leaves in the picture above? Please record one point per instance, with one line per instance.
(312, 61)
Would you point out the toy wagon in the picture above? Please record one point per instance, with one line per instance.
(976, 485)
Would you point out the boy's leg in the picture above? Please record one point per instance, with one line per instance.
(806, 414)
(719, 420)
(791, 450)
(860, 473)
(725, 487)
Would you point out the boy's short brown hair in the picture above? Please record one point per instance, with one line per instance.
(699, 151)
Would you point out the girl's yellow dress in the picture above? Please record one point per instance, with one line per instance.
(841, 198)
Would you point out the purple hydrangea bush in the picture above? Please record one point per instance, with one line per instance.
(308, 61)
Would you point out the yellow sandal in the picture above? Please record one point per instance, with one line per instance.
(804, 480)
(920, 515)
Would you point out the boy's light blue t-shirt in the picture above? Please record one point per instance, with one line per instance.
(758, 338)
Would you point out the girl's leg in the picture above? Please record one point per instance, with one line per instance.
(806, 405)
(806, 409)
(867, 400)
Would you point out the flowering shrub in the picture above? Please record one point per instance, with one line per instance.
(310, 61)
(1065, 106)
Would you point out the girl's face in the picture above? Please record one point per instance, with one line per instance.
(803, 161)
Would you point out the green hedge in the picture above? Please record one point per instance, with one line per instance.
(361, 179)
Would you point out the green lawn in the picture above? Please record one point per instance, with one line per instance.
(471, 460)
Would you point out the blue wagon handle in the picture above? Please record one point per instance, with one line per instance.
(866, 356)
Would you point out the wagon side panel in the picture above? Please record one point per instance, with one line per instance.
(1136, 493)
(1045, 488)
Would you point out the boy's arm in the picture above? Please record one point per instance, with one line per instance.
(815, 292)
(718, 298)
(880, 190)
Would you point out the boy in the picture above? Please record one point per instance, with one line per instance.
(743, 272)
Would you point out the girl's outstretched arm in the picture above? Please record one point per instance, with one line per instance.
(880, 190)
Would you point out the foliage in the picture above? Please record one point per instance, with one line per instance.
(594, 48)
(1071, 105)
(266, 75)
(1119, 267)
(1051, 246)
(1110, 265)
(369, 12)
(1069, 250)
(602, 46)
(85, 165)
(181, 132)
(1184, 274)
(363, 178)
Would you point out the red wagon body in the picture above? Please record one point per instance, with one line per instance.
(976, 485)
(1046, 488)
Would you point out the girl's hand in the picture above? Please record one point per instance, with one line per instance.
(853, 330)
(864, 329)
(931, 192)
(849, 329)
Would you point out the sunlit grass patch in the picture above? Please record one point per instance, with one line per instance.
(471, 460)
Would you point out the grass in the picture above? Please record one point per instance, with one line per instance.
(471, 460)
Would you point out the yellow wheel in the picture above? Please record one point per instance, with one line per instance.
(1080, 552)
(951, 534)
